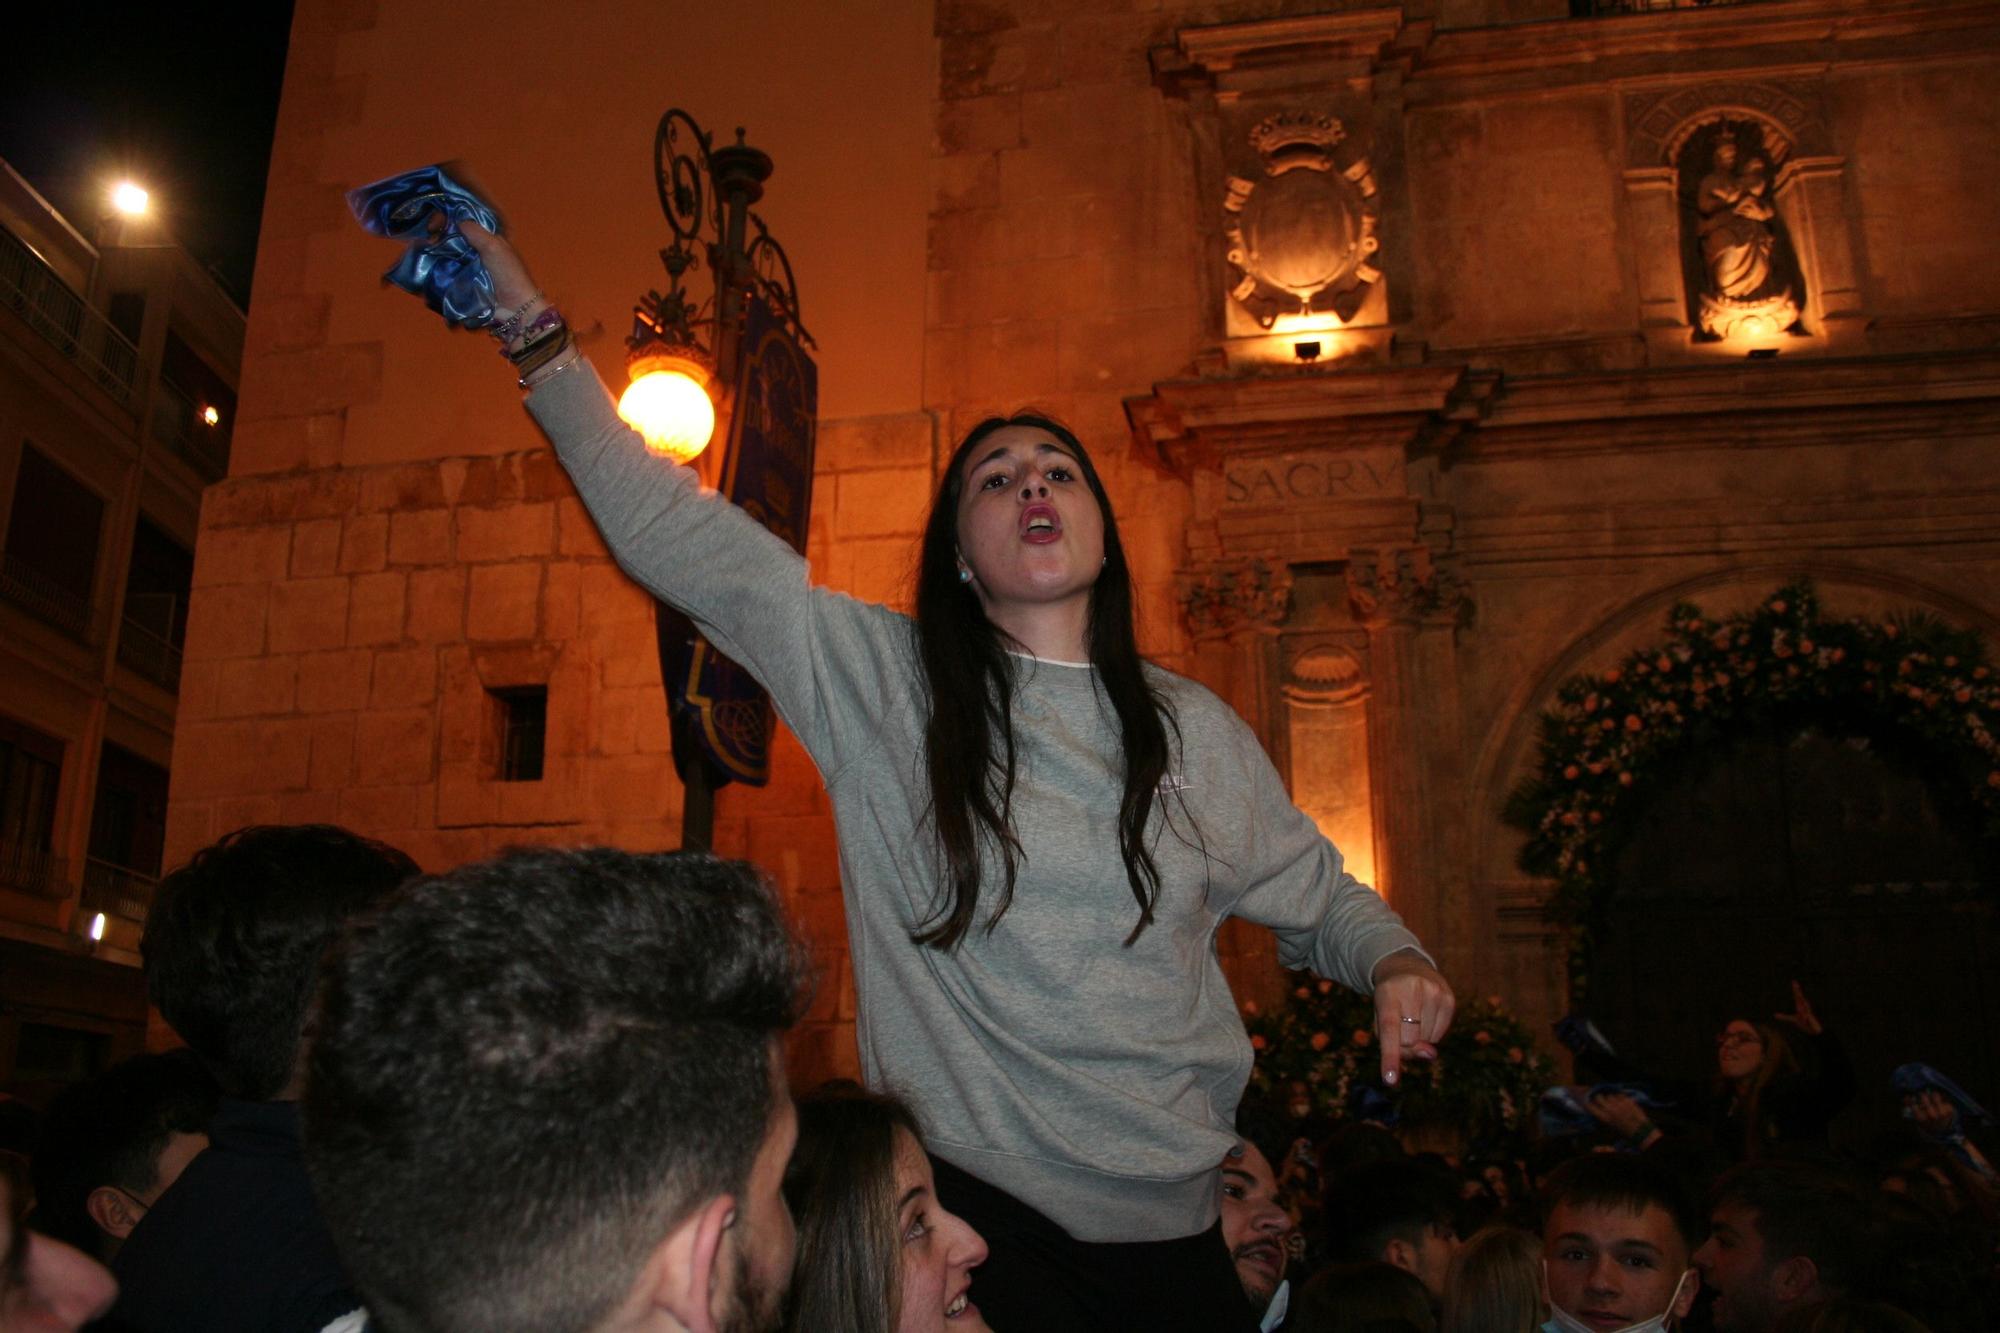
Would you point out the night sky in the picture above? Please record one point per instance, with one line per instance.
(183, 98)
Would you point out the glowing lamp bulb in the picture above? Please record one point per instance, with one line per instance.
(129, 199)
(211, 416)
(97, 927)
(668, 404)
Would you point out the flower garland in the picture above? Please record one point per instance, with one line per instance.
(1321, 1045)
(1917, 684)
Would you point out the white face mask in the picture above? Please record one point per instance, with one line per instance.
(1562, 1321)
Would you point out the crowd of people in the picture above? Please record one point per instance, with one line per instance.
(546, 1092)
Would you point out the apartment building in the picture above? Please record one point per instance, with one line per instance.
(118, 366)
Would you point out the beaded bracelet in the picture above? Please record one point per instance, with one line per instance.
(508, 329)
(550, 319)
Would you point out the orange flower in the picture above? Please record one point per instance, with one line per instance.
(1515, 1055)
(1632, 722)
(1258, 1043)
(1624, 778)
(1778, 607)
(1483, 1037)
(1613, 676)
(1570, 771)
(1320, 1041)
(1250, 1008)
(1362, 1036)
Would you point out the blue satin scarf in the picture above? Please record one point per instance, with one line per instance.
(443, 269)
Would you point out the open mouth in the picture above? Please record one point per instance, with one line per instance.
(959, 1305)
(1262, 1253)
(1039, 523)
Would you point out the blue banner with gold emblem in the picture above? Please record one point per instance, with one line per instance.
(719, 713)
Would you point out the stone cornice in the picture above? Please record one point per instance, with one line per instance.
(1225, 47)
(1629, 45)
(1773, 402)
(1183, 421)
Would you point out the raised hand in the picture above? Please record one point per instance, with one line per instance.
(1802, 1016)
(1413, 1008)
(512, 286)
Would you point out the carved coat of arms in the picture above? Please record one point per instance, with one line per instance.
(1302, 235)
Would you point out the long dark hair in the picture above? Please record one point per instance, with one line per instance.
(969, 679)
(841, 1186)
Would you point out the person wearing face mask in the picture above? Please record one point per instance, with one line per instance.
(878, 1250)
(1617, 1245)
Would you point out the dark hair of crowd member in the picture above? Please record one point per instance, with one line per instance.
(1807, 1209)
(110, 1130)
(234, 940)
(969, 678)
(539, 1065)
(1627, 1183)
(841, 1186)
(1367, 1297)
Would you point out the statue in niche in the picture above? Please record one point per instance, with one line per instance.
(1747, 275)
(1302, 235)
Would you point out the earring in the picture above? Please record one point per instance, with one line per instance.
(964, 575)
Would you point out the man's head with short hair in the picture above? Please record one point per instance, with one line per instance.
(1617, 1241)
(1783, 1235)
(545, 1095)
(234, 940)
(114, 1143)
(1397, 1212)
(1256, 1223)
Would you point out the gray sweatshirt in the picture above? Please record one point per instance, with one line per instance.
(1094, 1081)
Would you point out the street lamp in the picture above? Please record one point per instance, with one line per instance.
(689, 363)
(130, 199)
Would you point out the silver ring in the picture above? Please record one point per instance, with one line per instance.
(1413, 1020)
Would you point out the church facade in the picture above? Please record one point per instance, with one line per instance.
(1433, 355)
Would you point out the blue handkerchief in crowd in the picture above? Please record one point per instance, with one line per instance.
(1913, 1078)
(1565, 1109)
(442, 267)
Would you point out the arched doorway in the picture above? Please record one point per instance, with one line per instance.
(1795, 853)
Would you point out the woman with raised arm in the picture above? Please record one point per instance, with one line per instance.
(1040, 835)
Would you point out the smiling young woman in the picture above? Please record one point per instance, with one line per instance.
(1040, 835)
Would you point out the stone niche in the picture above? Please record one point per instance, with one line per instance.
(1740, 234)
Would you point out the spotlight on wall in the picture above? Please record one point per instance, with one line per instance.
(97, 928)
(1306, 352)
(129, 199)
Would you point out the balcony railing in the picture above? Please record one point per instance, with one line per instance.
(34, 871)
(177, 423)
(33, 291)
(150, 654)
(117, 890)
(44, 598)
